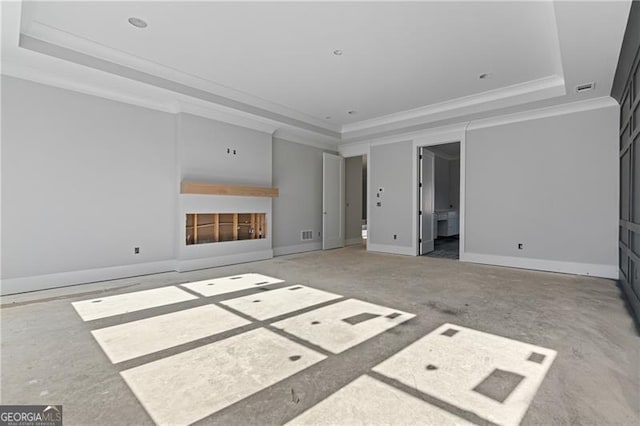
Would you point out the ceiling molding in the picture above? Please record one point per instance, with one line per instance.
(293, 134)
(531, 91)
(523, 91)
(229, 117)
(36, 45)
(78, 64)
(568, 108)
(35, 75)
(55, 37)
(443, 134)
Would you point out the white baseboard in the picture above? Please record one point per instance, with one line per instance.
(63, 279)
(353, 241)
(297, 248)
(596, 270)
(212, 262)
(384, 248)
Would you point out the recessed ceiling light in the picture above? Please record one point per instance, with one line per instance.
(352, 112)
(485, 76)
(137, 22)
(337, 52)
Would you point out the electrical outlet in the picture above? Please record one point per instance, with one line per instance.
(520, 246)
(136, 250)
(379, 204)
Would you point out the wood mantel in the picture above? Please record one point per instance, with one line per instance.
(206, 188)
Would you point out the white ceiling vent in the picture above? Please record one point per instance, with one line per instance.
(306, 235)
(581, 88)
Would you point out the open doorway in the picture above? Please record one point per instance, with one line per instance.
(356, 200)
(439, 200)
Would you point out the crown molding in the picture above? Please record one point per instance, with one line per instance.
(530, 91)
(52, 36)
(534, 114)
(210, 111)
(296, 135)
(47, 78)
(233, 117)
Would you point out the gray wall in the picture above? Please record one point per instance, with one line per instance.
(203, 145)
(390, 168)
(84, 181)
(353, 198)
(548, 183)
(297, 172)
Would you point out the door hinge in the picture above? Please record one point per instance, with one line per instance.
(420, 212)
(421, 156)
(420, 185)
(420, 240)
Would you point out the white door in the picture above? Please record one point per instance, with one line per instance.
(426, 216)
(332, 201)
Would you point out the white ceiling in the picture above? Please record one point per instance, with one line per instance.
(402, 63)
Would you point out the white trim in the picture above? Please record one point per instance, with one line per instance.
(449, 134)
(353, 241)
(39, 76)
(63, 279)
(441, 133)
(184, 104)
(212, 262)
(463, 193)
(83, 46)
(306, 137)
(524, 92)
(353, 149)
(297, 248)
(228, 115)
(596, 270)
(568, 108)
(385, 248)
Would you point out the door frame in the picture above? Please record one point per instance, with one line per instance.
(434, 140)
(421, 154)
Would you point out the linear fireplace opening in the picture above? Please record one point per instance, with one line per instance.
(205, 228)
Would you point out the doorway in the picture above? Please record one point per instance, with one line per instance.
(356, 200)
(439, 200)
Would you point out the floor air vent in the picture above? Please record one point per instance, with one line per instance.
(306, 235)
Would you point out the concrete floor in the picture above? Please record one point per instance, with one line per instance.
(48, 355)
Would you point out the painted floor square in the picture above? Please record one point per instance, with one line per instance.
(230, 284)
(367, 401)
(273, 303)
(133, 339)
(491, 376)
(189, 386)
(334, 329)
(103, 307)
